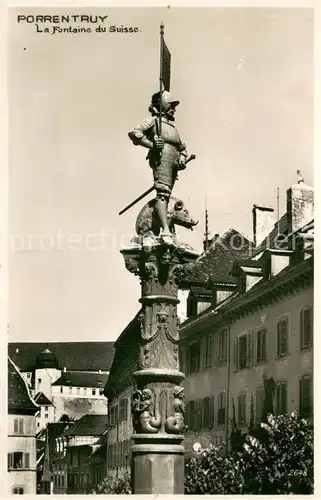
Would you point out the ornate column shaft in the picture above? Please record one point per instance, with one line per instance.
(157, 405)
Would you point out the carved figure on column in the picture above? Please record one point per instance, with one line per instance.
(167, 153)
(146, 415)
(174, 424)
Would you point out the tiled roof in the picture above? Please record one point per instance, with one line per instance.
(42, 400)
(82, 379)
(216, 263)
(88, 425)
(19, 398)
(82, 356)
(201, 292)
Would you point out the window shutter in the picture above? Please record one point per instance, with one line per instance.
(259, 404)
(198, 415)
(306, 324)
(242, 409)
(306, 397)
(9, 460)
(249, 354)
(282, 336)
(198, 356)
(27, 460)
(281, 398)
(16, 426)
(191, 415)
(263, 335)
(225, 346)
(235, 354)
(21, 426)
(211, 412)
(201, 414)
(206, 408)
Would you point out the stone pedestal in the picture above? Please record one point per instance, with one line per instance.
(157, 403)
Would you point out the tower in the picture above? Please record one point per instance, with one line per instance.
(46, 372)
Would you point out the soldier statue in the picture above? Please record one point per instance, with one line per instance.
(167, 154)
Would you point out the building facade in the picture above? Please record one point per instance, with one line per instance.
(248, 332)
(21, 434)
(118, 390)
(257, 341)
(83, 438)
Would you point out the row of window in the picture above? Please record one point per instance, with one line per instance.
(86, 391)
(118, 454)
(118, 412)
(202, 414)
(18, 490)
(59, 481)
(18, 460)
(78, 479)
(248, 348)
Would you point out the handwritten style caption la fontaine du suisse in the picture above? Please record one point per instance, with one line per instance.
(73, 24)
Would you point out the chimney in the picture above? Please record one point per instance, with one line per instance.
(263, 223)
(300, 205)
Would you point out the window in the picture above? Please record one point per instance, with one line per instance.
(281, 398)
(18, 426)
(282, 337)
(123, 409)
(306, 395)
(18, 490)
(18, 460)
(93, 392)
(259, 404)
(46, 415)
(38, 424)
(222, 347)
(306, 327)
(208, 342)
(241, 408)
(261, 345)
(61, 389)
(28, 375)
(242, 352)
(190, 415)
(39, 380)
(221, 408)
(112, 415)
(46, 408)
(208, 412)
(243, 347)
(194, 357)
(198, 424)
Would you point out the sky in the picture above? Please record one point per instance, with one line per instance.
(244, 77)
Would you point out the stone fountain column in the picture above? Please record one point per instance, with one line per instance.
(157, 404)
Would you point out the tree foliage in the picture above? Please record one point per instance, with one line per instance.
(115, 486)
(276, 460)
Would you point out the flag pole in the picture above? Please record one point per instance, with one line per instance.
(161, 78)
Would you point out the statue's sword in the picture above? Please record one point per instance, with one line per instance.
(192, 157)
